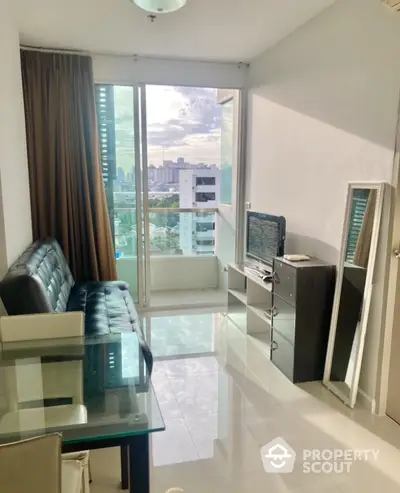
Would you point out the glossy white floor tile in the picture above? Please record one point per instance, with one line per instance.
(223, 403)
(180, 335)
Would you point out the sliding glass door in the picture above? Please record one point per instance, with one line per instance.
(121, 145)
(169, 159)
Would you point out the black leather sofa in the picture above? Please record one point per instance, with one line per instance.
(40, 281)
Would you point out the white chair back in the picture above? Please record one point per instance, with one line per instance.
(41, 326)
(32, 465)
(35, 381)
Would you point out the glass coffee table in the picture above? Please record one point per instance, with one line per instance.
(95, 391)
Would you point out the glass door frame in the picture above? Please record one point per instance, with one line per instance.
(143, 212)
(237, 208)
(138, 187)
(139, 169)
(241, 177)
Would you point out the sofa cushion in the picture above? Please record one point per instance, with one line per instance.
(108, 308)
(39, 281)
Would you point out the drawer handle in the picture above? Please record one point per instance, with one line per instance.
(274, 346)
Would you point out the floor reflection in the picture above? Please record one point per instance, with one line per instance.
(222, 404)
(176, 336)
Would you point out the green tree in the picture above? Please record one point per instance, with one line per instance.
(167, 242)
(161, 220)
(171, 202)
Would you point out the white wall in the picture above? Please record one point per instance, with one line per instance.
(183, 272)
(322, 112)
(15, 212)
(116, 69)
(171, 272)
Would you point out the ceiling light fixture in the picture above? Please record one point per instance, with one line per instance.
(160, 6)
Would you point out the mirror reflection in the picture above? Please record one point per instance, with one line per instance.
(359, 236)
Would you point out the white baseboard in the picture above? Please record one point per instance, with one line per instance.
(366, 401)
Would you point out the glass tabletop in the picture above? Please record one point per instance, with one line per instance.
(88, 389)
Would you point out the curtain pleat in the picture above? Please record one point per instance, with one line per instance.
(67, 193)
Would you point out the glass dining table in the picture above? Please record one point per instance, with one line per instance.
(95, 391)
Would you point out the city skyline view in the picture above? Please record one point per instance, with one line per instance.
(185, 152)
(183, 122)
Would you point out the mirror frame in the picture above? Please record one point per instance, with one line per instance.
(350, 399)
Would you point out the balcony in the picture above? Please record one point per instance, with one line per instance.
(171, 231)
(174, 231)
(177, 262)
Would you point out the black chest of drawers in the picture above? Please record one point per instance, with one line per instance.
(302, 305)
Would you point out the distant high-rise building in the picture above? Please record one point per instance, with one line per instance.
(130, 177)
(152, 173)
(120, 174)
(198, 189)
(168, 173)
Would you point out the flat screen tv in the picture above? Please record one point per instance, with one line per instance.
(265, 237)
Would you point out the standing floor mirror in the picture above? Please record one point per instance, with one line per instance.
(354, 285)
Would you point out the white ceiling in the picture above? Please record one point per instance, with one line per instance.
(225, 30)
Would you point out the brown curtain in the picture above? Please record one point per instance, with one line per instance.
(67, 193)
(364, 240)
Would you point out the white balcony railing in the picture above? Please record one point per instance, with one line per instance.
(173, 231)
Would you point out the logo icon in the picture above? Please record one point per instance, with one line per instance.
(278, 456)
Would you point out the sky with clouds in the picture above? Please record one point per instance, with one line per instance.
(183, 122)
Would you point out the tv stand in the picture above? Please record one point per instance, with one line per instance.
(287, 318)
(250, 303)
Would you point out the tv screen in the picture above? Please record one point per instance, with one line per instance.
(265, 236)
